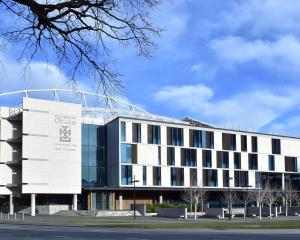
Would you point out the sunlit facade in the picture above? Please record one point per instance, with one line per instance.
(67, 149)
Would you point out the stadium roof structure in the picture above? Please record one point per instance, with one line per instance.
(94, 105)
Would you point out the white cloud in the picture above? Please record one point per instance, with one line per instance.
(283, 53)
(187, 97)
(15, 75)
(251, 109)
(172, 17)
(262, 17)
(204, 71)
(287, 126)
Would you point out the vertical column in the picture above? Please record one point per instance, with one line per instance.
(111, 201)
(33, 204)
(89, 201)
(11, 205)
(75, 202)
(160, 199)
(120, 201)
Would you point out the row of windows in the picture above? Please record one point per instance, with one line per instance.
(189, 158)
(210, 177)
(197, 138)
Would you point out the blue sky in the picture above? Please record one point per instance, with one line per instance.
(229, 63)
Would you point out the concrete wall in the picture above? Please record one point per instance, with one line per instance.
(214, 212)
(55, 129)
(172, 212)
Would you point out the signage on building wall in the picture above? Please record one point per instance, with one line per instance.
(65, 124)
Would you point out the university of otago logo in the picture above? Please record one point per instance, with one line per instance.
(65, 133)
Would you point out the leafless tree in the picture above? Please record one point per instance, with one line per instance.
(189, 195)
(260, 196)
(248, 197)
(289, 194)
(230, 196)
(201, 195)
(81, 33)
(272, 193)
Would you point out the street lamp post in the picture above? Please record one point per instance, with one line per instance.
(229, 198)
(134, 202)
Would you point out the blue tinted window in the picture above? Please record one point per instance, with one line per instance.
(93, 155)
(126, 153)
(188, 157)
(123, 131)
(196, 138)
(206, 158)
(85, 134)
(271, 163)
(175, 136)
(126, 174)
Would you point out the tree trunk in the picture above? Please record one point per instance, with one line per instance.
(286, 208)
(195, 212)
(202, 207)
(259, 211)
(270, 210)
(245, 206)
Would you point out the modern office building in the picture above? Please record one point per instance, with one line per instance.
(84, 150)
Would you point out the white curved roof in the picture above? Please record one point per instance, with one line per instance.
(96, 106)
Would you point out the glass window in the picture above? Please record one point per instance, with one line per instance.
(175, 136)
(170, 156)
(123, 131)
(244, 143)
(206, 158)
(222, 159)
(228, 141)
(240, 178)
(195, 138)
(271, 163)
(276, 148)
(85, 134)
(136, 132)
(193, 176)
(253, 165)
(210, 178)
(126, 175)
(156, 176)
(254, 143)
(153, 134)
(207, 139)
(225, 178)
(177, 176)
(93, 153)
(290, 164)
(159, 155)
(144, 175)
(188, 157)
(92, 156)
(128, 153)
(237, 160)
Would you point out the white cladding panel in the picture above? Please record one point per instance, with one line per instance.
(290, 147)
(218, 140)
(54, 128)
(147, 154)
(264, 145)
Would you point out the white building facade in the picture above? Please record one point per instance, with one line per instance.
(62, 150)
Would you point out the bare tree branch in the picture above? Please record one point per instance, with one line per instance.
(81, 32)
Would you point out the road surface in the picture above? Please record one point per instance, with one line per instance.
(18, 232)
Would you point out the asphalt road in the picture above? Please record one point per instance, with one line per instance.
(15, 231)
